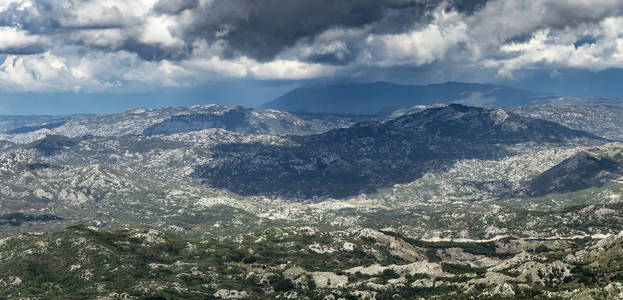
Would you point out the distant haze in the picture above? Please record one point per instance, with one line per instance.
(371, 97)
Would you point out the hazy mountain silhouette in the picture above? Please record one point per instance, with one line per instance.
(368, 98)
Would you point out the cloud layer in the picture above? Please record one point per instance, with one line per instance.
(102, 44)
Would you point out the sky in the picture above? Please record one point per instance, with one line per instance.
(69, 56)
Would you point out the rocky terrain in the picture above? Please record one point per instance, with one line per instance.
(302, 262)
(369, 155)
(605, 120)
(585, 169)
(449, 201)
(171, 120)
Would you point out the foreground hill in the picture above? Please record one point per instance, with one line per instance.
(369, 155)
(369, 98)
(303, 263)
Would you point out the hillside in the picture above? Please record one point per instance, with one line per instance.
(586, 169)
(605, 119)
(300, 262)
(370, 155)
(173, 120)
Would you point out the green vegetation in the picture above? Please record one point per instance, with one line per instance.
(152, 264)
(281, 284)
(462, 269)
(388, 274)
(487, 248)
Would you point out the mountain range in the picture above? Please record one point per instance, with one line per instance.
(369, 98)
(228, 202)
(368, 155)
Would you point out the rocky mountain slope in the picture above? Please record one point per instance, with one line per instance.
(601, 117)
(172, 120)
(605, 120)
(369, 155)
(586, 169)
(24, 123)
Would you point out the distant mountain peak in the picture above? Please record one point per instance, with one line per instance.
(369, 98)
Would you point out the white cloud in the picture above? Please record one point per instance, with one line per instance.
(156, 30)
(339, 43)
(245, 67)
(290, 69)
(13, 39)
(112, 38)
(21, 4)
(40, 72)
(420, 46)
(558, 49)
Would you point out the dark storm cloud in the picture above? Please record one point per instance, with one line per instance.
(173, 7)
(259, 29)
(564, 14)
(51, 17)
(23, 50)
(60, 19)
(262, 29)
(41, 18)
(153, 52)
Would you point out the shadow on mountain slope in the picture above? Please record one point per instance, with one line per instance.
(371, 155)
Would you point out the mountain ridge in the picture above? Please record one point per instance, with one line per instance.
(586, 169)
(369, 98)
(345, 162)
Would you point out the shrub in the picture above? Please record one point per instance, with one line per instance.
(461, 269)
(389, 274)
(283, 285)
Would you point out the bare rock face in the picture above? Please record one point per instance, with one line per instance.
(431, 269)
(503, 290)
(231, 294)
(397, 246)
(459, 256)
(329, 280)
